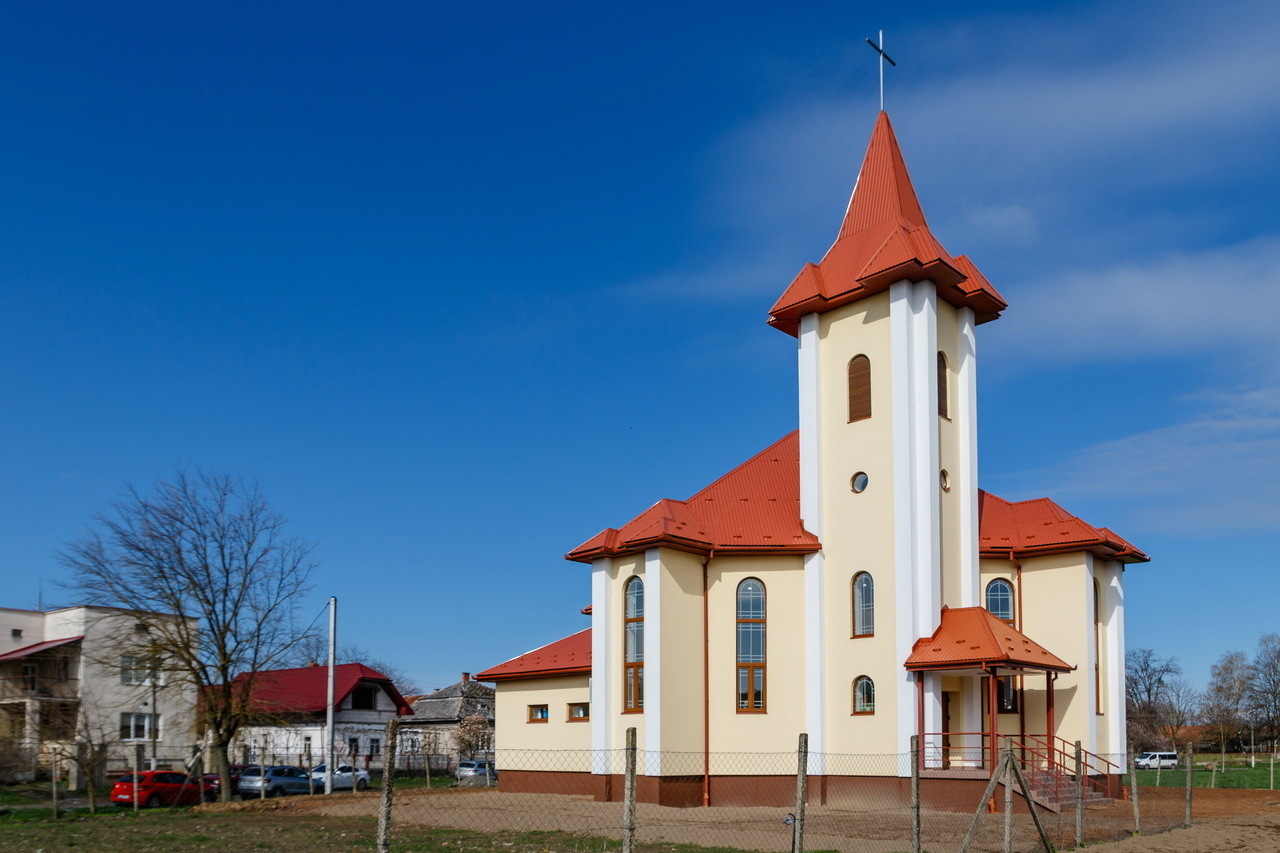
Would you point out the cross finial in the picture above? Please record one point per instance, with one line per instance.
(879, 48)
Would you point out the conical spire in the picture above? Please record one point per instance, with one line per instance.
(883, 238)
(883, 192)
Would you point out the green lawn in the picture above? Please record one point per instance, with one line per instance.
(1235, 775)
(164, 830)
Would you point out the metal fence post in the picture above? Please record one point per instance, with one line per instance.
(1186, 820)
(629, 796)
(802, 793)
(137, 759)
(1079, 795)
(53, 779)
(1133, 780)
(1008, 797)
(388, 786)
(915, 794)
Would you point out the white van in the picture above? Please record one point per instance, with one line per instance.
(1156, 761)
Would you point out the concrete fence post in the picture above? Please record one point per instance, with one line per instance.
(1186, 819)
(915, 794)
(802, 793)
(629, 795)
(388, 786)
(1133, 785)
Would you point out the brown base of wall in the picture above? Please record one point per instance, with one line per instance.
(948, 795)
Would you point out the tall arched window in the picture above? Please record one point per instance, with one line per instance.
(864, 605)
(633, 646)
(751, 647)
(944, 408)
(859, 388)
(1000, 599)
(1097, 647)
(864, 695)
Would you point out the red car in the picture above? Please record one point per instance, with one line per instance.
(161, 788)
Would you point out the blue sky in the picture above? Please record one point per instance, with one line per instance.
(463, 284)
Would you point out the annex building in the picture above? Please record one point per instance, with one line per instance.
(851, 580)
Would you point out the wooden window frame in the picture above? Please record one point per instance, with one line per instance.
(986, 599)
(859, 376)
(546, 714)
(570, 718)
(854, 633)
(944, 387)
(854, 712)
(632, 670)
(751, 669)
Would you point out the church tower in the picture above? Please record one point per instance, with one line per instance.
(888, 452)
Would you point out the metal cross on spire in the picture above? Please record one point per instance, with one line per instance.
(879, 48)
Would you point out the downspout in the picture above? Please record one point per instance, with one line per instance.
(706, 685)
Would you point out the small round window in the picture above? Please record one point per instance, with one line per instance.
(944, 480)
(859, 482)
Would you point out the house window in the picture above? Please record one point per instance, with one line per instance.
(306, 744)
(364, 698)
(944, 408)
(859, 388)
(751, 646)
(15, 633)
(375, 746)
(539, 714)
(579, 712)
(1000, 599)
(633, 647)
(1097, 648)
(29, 677)
(62, 668)
(1006, 695)
(864, 605)
(353, 746)
(139, 726)
(864, 695)
(134, 670)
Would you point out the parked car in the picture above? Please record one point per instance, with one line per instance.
(1156, 761)
(236, 770)
(161, 788)
(477, 768)
(277, 781)
(344, 776)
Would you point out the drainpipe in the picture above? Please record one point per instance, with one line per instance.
(706, 685)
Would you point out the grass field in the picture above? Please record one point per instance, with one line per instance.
(1236, 774)
(164, 830)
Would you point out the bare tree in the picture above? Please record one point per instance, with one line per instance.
(1223, 704)
(1147, 677)
(314, 648)
(96, 733)
(209, 549)
(1176, 708)
(1264, 684)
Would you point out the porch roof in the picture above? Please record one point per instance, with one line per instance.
(37, 647)
(971, 637)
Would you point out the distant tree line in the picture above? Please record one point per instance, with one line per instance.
(1239, 707)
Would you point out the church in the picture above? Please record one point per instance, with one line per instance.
(850, 581)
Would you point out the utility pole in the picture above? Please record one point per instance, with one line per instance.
(328, 712)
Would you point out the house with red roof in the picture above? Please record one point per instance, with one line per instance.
(290, 707)
(850, 581)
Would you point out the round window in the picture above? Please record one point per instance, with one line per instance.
(859, 482)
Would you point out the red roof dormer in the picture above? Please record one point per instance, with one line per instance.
(884, 238)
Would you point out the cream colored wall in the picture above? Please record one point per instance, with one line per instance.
(858, 529)
(514, 735)
(949, 451)
(623, 569)
(681, 649)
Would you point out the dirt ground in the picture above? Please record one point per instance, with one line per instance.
(1223, 820)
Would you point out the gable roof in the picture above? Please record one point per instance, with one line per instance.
(570, 656)
(970, 637)
(304, 690)
(884, 238)
(754, 509)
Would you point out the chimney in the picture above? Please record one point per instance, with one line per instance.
(466, 676)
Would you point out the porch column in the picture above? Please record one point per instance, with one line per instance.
(1049, 730)
(920, 717)
(993, 714)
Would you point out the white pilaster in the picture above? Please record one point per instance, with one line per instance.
(966, 475)
(904, 581)
(926, 497)
(652, 662)
(602, 691)
(810, 427)
(815, 662)
(815, 697)
(1113, 613)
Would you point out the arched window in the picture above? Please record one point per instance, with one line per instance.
(943, 408)
(751, 648)
(859, 388)
(864, 695)
(633, 646)
(864, 605)
(1097, 647)
(1000, 599)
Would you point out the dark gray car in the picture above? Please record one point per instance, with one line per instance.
(278, 781)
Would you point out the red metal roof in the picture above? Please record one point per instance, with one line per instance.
(304, 690)
(969, 637)
(1040, 526)
(754, 509)
(35, 648)
(570, 656)
(884, 238)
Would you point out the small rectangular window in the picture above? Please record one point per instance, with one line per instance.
(579, 712)
(375, 746)
(353, 746)
(16, 633)
(538, 714)
(364, 698)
